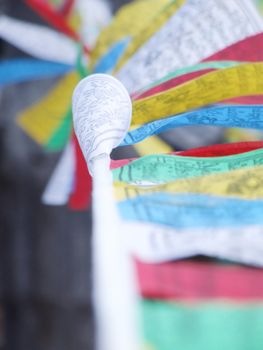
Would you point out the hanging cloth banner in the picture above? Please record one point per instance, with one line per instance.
(203, 326)
(80, 197)
(94, 16)
(59, 138)
(188, 280)
(249, 100)
(81, 192)
(60, 184)
(150, 29)
(153, 243)
(41, 120)
(241, 116)
(221, 150)
(162, 168)
(197, 19)
(217, 150)
(192, 211)
(246, 183)
(242, 80)
(243, 50)
(108, 61)
(181, 79)
(184, 75)
(54, 18)
(247, 50)
(123, 25)
(65, 8)
(38, 41)
(20, 70)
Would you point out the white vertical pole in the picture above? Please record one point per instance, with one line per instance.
(102, 114)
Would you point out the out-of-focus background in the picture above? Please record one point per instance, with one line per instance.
(45, 286)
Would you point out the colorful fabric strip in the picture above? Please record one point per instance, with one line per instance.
(80, 197)
(109, 60)
(241, 116)
(192, 211)
(196, 281)
(162, 168)
(153, 243)
(247, 50)
(245, 183)
(35, 39)
(203, 326)
(19, 70)
(242, 80)
(54, 18)
(81, 193)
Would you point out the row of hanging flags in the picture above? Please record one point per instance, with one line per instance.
(197, 214)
